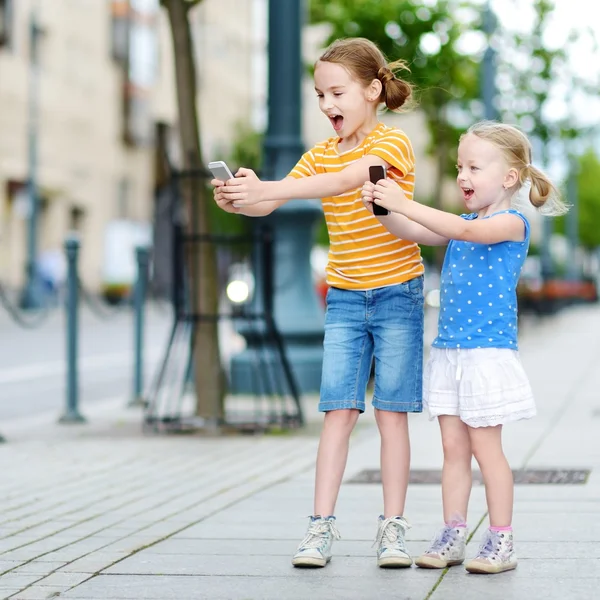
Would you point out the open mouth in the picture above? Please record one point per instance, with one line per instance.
(467, 193)
(336, 121)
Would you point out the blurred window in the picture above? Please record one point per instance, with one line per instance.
(6, 23)
(119, 30)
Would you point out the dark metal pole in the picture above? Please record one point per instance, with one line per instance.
(298, 314)
(142, 255)
(32, 296)
(488, 71)
(71, 414)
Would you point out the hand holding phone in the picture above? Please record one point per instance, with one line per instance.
(376, 173)
(220, 170)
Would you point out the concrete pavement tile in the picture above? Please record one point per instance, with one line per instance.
(529, 507)
(557, 493)
(525, 583)
(556, 527)
(126, 545)
(9, 565)
(323, 584)
(48, 545)
(38, 567)
(20, 580)
(64, 580)
(226, 547)
(16, 541)
(93, 563)
(551, 550)
(219, 566)
(41, 592)
(64, 554)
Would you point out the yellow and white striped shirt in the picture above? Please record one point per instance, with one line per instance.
(362, 254)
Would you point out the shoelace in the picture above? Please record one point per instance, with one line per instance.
(316, 530)
(441, 540)
(387, 535)
(489, 545)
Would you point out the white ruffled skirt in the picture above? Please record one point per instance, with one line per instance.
(485, 387)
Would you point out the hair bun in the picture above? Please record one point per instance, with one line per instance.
(384, 75)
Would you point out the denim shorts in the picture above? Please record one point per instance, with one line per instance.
(384, 324)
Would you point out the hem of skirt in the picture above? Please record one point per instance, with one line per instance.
(500, 420)
(492, 421)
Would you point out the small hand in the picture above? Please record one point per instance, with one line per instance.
(367, 195)
(244, 190)
(390, 195)
(220, 199)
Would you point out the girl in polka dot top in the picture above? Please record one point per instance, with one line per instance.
(474, 381)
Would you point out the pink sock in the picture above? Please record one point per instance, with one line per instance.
(505, 528)
(456, 524)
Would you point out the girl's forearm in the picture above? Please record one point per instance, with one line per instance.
(439, 222)
(405, 229)
(260, 210)
(315, 186)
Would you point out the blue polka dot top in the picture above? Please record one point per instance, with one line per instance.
(478, 298)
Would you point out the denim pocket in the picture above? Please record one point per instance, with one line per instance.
(413, 288)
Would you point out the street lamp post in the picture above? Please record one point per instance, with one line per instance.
(298, 314)
(488, 71)
(32, 295)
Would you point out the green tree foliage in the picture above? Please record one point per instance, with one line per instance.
(433, 38)
(531, 74)
(589, 199)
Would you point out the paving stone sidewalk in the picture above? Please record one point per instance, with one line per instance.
(102, 512)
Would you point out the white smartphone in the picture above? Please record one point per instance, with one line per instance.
(220, 170)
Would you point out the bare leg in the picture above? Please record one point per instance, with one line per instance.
(497, 476)
(395, 460)
(331, 458)
(456, 474)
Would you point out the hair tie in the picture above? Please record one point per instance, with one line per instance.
(384, 75)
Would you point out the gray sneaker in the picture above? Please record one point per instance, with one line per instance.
(315, 549)
(496, 554)
(391, 548)
(447, 549)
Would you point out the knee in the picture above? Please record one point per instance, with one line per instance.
(484, 453)
(341, 420)
(455, 449)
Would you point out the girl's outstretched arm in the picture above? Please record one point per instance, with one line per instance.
(502, 228)
(401, 226)
(247, 189)
(259, 210)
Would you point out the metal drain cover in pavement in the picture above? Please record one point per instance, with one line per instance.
(521, 477)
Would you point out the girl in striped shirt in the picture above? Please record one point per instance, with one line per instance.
(375, 296)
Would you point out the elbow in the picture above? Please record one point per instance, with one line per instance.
(463, 235)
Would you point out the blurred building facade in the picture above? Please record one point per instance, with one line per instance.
(105, 83)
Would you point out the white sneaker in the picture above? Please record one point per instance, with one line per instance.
(391, 548)
(315, 549)
(496, 554)
(447, 549)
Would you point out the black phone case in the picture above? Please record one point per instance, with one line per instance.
(375, 174)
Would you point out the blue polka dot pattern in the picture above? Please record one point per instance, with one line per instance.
(478, 297)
